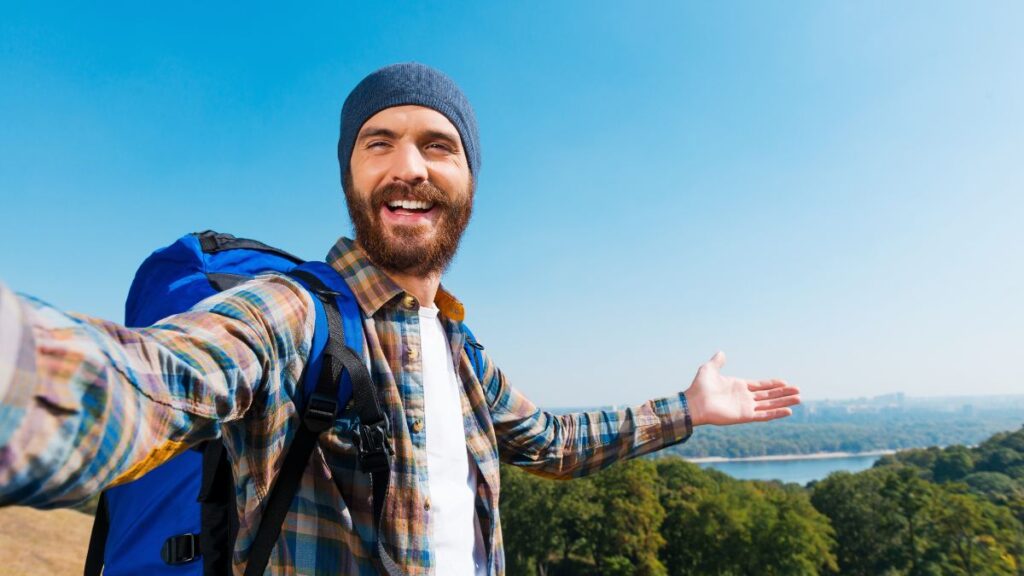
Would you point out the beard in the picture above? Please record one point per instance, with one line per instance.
(409, 249)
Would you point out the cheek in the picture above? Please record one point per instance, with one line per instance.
(367, 173)
(454, 180)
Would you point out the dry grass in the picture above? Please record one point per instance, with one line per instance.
(33, 542)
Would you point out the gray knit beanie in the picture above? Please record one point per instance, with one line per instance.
(402, 84)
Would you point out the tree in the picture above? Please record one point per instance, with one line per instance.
(996, 487)
(574, 512)
(717, 525)
(952, 464)
(627, 537)
(526, 522)
(911, 497)
(866, 524)
(705, 520)
(1004, 453)
(690, 541)
(976, 536)
(1000, 459)
(789, 535)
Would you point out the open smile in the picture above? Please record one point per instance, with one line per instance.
(409, 212)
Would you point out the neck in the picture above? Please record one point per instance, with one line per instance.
(423, 288)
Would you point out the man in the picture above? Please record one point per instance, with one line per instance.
(86, 404)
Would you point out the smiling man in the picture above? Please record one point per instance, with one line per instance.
(86, 404)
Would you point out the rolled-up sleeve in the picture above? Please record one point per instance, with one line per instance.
(579, 443)
(86, 404)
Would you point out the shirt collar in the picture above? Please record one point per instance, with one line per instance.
(373, 288)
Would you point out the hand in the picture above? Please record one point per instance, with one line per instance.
(722, 400)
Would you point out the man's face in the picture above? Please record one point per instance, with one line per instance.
(409, 190)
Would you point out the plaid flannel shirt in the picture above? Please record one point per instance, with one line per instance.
(86, 404)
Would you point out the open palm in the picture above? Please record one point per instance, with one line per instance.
(717, 399)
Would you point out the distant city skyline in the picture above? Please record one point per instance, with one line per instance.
(831, 193)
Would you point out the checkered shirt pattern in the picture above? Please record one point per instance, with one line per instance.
(86, 404)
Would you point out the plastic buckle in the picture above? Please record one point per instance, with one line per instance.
(323, 293)
(373, 445)
(320, 412)
(180, 549)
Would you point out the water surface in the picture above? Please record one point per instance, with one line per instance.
(800, 471)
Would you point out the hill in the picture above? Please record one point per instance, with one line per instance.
(34, 542)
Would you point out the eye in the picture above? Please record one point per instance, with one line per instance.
(441, 146)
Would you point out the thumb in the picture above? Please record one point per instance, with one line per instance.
(718, 360)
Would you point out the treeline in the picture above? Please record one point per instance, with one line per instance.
(923, 512)
(885, 432)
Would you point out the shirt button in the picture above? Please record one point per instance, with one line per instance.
(426, 503)
(409, 302)
(417, 425)
(413, 353)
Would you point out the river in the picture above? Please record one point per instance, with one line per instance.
(799, 469)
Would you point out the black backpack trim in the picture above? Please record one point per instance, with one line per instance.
(212, 242)
(98, 538)
(218, 519)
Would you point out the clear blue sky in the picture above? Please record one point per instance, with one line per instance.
(832, 193)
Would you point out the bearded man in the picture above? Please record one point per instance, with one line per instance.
(409, 154)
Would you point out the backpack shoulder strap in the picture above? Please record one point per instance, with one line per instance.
(319, 408)
(334, 366)
(474, 350)
(373, 435)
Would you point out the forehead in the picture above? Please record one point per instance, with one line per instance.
(410, 119)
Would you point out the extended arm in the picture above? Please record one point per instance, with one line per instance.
(570, 445)
(86, 404)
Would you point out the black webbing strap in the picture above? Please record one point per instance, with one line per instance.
(213, 242)
(280, 500)
(218, 518)
(318, 416)
(98, 539)
(373, 436)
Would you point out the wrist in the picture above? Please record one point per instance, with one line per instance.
(693, 416)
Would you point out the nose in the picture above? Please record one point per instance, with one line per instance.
(409, 165)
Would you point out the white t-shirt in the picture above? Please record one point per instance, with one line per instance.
(455, 534)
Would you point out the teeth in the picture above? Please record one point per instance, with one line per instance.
(411, 204)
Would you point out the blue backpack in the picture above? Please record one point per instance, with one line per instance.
(180, 518)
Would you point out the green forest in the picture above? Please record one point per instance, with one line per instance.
(934, 511)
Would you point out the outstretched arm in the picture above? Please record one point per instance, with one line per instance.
(577, 444)
(86, 404)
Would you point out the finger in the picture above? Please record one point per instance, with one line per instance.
(778, 403)
(758, 385)
(776, 393)
(772, 415)
(718, 360)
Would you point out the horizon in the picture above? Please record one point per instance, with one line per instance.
(806, 402)
(831, 194)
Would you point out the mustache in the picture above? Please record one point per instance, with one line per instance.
(424, 191)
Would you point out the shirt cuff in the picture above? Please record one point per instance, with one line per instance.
(17, 363)
(674, 413)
